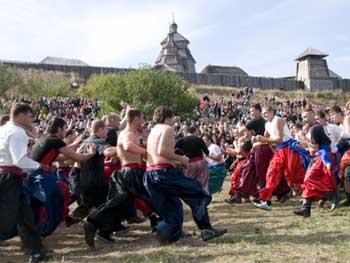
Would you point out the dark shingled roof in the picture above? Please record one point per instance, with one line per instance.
(311, 52)
(174, 35)
(333, 75)
(212, 69)
(63, 61)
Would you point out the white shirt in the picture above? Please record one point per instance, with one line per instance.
(333, 131)
(214, 150)
(271, 128)
(13, 147)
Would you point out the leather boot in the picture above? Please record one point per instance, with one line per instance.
(234, 199)
(305, 210)
(333, 198)
(345, 202)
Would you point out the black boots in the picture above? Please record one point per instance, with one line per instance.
(333, 198)
(305, 210)
(234, 199)
(345, 202)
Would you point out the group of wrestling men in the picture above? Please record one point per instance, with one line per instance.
(35, 202)
(270, 161)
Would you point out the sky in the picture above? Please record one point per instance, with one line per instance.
(263, 37)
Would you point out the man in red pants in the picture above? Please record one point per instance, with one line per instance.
(286, 160)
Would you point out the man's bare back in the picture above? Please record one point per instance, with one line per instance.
(160, 147)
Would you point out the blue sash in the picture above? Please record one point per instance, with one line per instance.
(294, 146)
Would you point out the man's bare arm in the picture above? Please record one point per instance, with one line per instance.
(110, 151)
(71, 154)
(130, 144)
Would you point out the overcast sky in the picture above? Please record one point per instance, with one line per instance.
(263, 37)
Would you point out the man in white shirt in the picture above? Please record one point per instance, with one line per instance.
(13, 161)
(286, 162)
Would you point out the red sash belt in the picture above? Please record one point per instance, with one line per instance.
(195, 159)
(159, 166)
(132, 166)
(13, 170)
(50, 169)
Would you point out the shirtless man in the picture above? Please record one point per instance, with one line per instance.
(166, 183)
(286, 160)
(125, 184)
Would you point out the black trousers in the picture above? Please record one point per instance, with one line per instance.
(74, 185)
(16, 210)
(124, 185)
(94, 190)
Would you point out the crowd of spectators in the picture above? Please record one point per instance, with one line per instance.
(220, 118)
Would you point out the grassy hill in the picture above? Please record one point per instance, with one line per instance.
(325, 97)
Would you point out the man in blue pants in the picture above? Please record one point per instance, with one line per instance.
(167, 184)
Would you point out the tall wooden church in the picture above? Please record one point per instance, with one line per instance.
(175, 55)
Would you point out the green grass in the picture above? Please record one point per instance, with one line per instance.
(253, 236)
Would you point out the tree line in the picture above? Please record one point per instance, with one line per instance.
(144, 88)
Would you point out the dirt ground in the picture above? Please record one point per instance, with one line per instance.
(253, 236)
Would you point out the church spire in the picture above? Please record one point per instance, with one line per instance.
(173, 25)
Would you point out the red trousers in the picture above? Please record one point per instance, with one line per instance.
(235, 176)
(287, 163)
(318, 180)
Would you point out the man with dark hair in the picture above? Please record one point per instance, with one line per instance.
(167, 184)
(194, 147)
(332, 130)
(257, 123)
(308, 117)
(337, 115)
(125, 184)
(49, 149)
(259, 156)
(51, 146)
(261, 152)
(320, 179)
(3, 119)
(14, 207)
